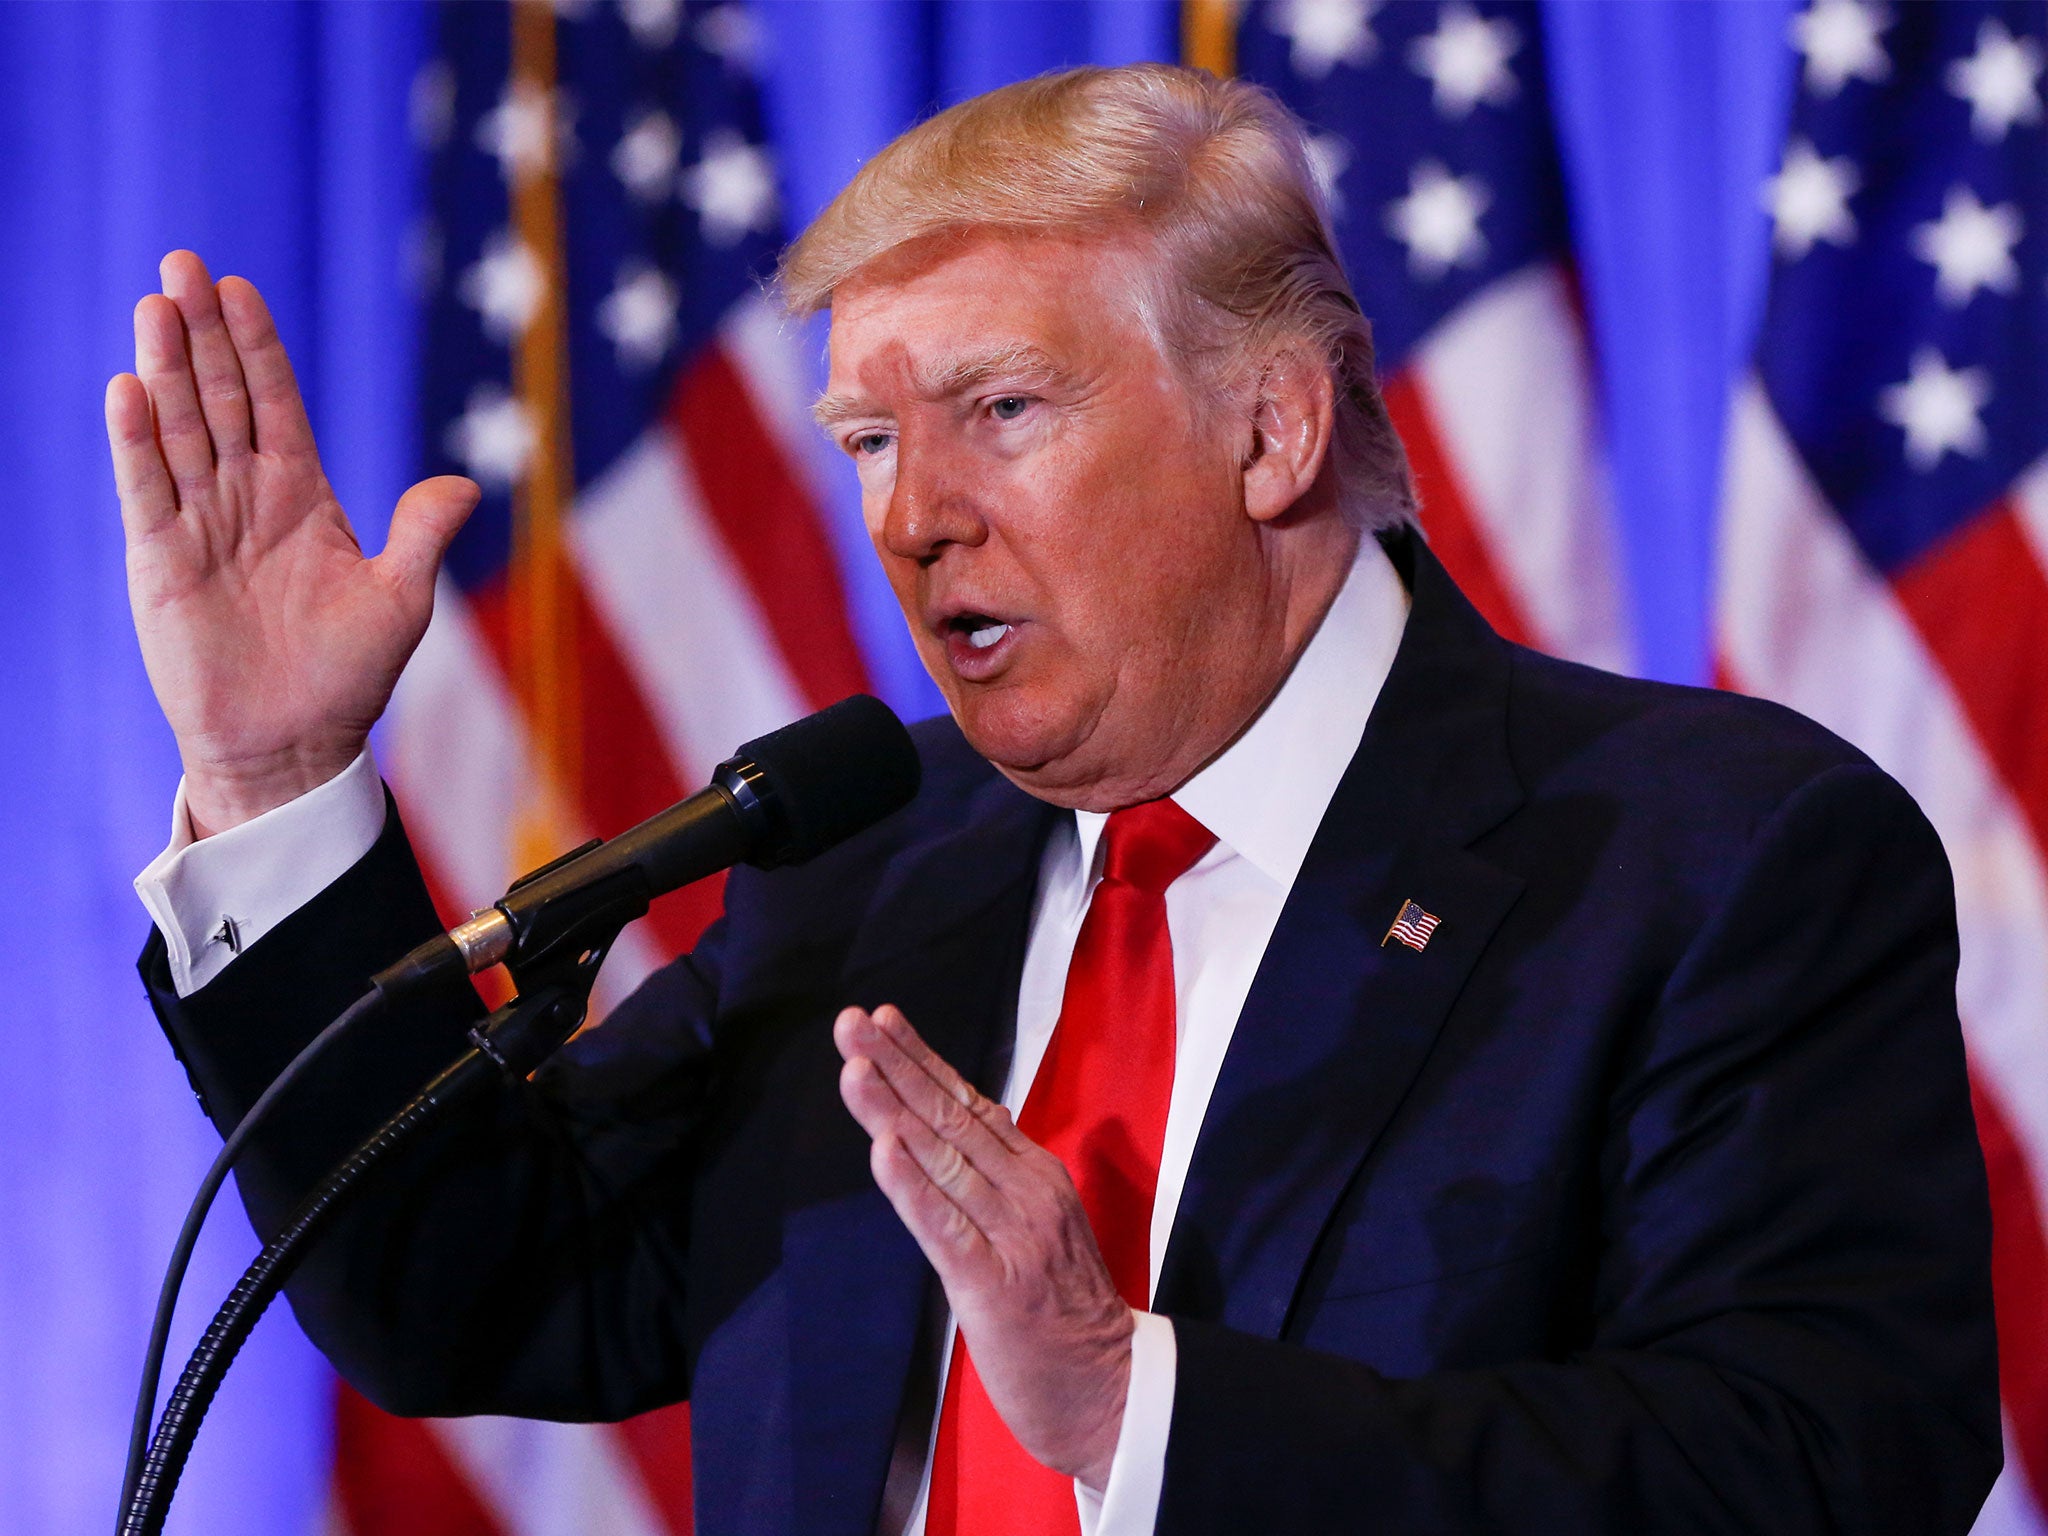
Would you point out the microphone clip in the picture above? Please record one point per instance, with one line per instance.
(564, 942)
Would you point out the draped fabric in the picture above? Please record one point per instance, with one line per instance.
(279, 142)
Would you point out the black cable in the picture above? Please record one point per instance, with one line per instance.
(149, 1501)
(511, 1042)
(195, 1218)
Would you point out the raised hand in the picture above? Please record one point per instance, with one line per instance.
(272, 643)
(1001, 1222)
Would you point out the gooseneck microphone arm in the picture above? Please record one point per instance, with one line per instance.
(512, 1042)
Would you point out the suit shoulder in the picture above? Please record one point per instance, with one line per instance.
(1668, 801)
(1727, 756)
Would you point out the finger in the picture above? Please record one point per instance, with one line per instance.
(869, 1098)
(952, 1242)
(939, 1104)
(961, 1156)
(423, 525)
(277, 410)
(881, 1113)
(148, 496)
(166, 372)
(905, 1053)
(223, 398)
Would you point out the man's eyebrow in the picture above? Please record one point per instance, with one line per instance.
(1019, 364)
(830, 410)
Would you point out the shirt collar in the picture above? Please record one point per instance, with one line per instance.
(1265, 795)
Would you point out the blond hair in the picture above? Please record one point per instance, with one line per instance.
(1215, 172)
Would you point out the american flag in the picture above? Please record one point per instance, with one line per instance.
(1412, 926)
(1884, 540)
(648, 582)
(1432, 131)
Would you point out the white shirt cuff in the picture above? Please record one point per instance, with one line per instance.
(213, 898)
(1129, 1505)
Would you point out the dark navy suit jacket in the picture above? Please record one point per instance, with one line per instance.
(1644, 1199)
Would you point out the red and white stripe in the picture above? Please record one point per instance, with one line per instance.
(1496, 410)
(1941, 675)
(708, 610)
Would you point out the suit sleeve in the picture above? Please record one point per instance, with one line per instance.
(526, 1255)
(1792, 1291)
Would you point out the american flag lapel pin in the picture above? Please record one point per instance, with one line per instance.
(1412, 926)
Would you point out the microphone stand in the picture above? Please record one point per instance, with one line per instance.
(554, 994)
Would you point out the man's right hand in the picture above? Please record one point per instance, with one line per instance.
(272, 643)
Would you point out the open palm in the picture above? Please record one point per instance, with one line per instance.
(272, 642)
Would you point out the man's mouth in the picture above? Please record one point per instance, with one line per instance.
(981, 631)
(977, 644)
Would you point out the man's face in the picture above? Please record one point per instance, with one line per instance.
(1064, 529)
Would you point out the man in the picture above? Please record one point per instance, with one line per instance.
(1311, 1065)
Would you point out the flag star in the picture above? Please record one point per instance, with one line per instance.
(1322, 34)
(1971, 247)
(493, 438)
(1999, 81)
(1439, 220)
(652, 22)
(639, 315)
(732, 188)
(528, 132)
(1840, 41)
(1808, 200)
(645, 156)
(430, 105)
(1937, 409)
(505, 287)
(733, 33)
(1465, 61)
(1329, 157)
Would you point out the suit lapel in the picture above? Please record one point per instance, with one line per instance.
(1338, 1022)
(946, 945)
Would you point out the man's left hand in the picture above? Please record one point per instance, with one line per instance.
(1001, 1222)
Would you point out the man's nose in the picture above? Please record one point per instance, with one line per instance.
(931, 504)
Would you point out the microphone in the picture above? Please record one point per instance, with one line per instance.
(782, 799)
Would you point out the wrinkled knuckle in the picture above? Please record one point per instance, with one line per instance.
(952, 1118)
(954, 1225)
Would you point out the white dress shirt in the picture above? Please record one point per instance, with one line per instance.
(1263, 797)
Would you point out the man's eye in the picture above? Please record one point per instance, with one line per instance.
(1008, 407)
(870, 443)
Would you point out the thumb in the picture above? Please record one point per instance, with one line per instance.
(423, 524)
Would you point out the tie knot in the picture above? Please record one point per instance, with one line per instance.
(1152, 845)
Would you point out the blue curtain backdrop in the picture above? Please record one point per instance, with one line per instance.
(273, 140)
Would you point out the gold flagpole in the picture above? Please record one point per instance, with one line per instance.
(541, 620)
(1208, 35)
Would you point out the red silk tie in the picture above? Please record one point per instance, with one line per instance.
(1099, 1103)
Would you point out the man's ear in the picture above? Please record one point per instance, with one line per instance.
(1293, 416)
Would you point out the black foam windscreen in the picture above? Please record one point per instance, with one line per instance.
(835, 773)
